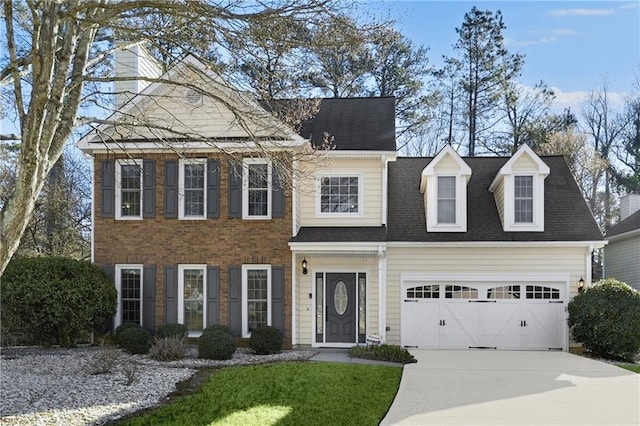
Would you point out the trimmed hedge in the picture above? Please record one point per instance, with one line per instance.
(217, 327)
(606, 320)
(216, 344)
(390, 353)
(56, 299)
(266, 340)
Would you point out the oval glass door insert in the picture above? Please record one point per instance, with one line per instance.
(340, 298)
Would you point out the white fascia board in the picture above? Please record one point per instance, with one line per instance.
(390, 155)
(337, 247)
(490, 244)
(173, 147)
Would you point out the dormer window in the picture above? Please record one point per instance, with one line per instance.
(444, 185)
(446, 199)
(523, 199)
(518, 189)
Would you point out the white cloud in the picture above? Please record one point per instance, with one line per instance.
(582, 12)
(543, 37)
(575, 100)
(630, 6)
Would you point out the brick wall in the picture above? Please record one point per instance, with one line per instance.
(221, 242)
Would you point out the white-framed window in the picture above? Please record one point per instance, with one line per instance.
(256, 189)
(523, 199)
(129, 281)
(128, 189)
(339, 194)
(192, 289)
(256, 297)
(446, 199)
(192, 199)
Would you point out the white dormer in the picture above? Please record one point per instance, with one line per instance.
(518, 189)
(444, 185)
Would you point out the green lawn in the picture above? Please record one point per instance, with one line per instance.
(631, 367)
(285, 394)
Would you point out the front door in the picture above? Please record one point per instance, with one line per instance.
(341, 308)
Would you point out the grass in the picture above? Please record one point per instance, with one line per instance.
(285, 394)
(631, 367)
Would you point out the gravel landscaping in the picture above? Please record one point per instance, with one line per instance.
(56, 387)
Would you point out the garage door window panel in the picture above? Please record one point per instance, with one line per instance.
(504, 292)
(542, 292)
(460, 292)
(424, 292)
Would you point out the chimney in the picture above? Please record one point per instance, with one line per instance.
(132, 61)
(629, 204)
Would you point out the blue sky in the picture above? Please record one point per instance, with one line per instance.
(571, 45)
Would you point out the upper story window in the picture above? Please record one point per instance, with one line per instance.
(256, 189)
(447, 199)
(339, 194)
(193, 184)
(129, 189)
(444, 185)
(518, 190)
(523, 199)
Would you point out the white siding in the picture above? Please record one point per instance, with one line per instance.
(510, 261)
(622, 260)
(498, 195)
(370, 172)
(306, 287)
(525, 164)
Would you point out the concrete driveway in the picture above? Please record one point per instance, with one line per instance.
(513, 388)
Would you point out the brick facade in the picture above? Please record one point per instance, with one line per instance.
(222, 242)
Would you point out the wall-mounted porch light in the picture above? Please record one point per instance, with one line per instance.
(581, 288)
(304, 266)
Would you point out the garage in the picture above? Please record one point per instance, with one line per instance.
(463, 315)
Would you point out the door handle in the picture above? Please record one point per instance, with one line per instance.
(523, 323)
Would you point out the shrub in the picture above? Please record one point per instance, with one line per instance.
(388, 353)
(266, 340)
(217, 327)
(606, 320)
(104, 360)
(168, 348)
(135, 340)
(179, 331)
(124, 326)
(216, 344)
(56, 299)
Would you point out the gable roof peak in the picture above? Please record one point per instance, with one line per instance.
(461, 167)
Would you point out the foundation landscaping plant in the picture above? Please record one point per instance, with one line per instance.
(290, 393)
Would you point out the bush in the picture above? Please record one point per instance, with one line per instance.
(388, 353)
(135, 340)
(178, 331)
(168, 348)
(217, 327)
(216, 344)
(606, 320)
(124, 326)
(266, 340)
(56, 299)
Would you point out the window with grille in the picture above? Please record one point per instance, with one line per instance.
(523, 199)
(504, 292)
(339, 194)
(542, 292)
(194, 188)
(460, 292)
(129, 289)
(424, 292)
(446, 199)
(256, 294)
(129, 189)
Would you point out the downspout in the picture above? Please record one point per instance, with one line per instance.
(294, 303)
(589, 260)
(382, 293)
(385, 165)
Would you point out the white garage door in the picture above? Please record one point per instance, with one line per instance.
(518, 316)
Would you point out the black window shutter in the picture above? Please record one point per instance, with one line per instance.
(170, 294)
(149, 188)
(213, 295)
(235, 189)
(235, 300)
(110, 270)
(277, 297)
(213, 188)
(108, 188)
(149, 298)
(171, 189)
(278, 195)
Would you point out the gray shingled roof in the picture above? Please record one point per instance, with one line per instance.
(367, 234)
(364, 124)
(632, 223)
(567, 216)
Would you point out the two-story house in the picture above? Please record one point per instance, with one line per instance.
(437, 252)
